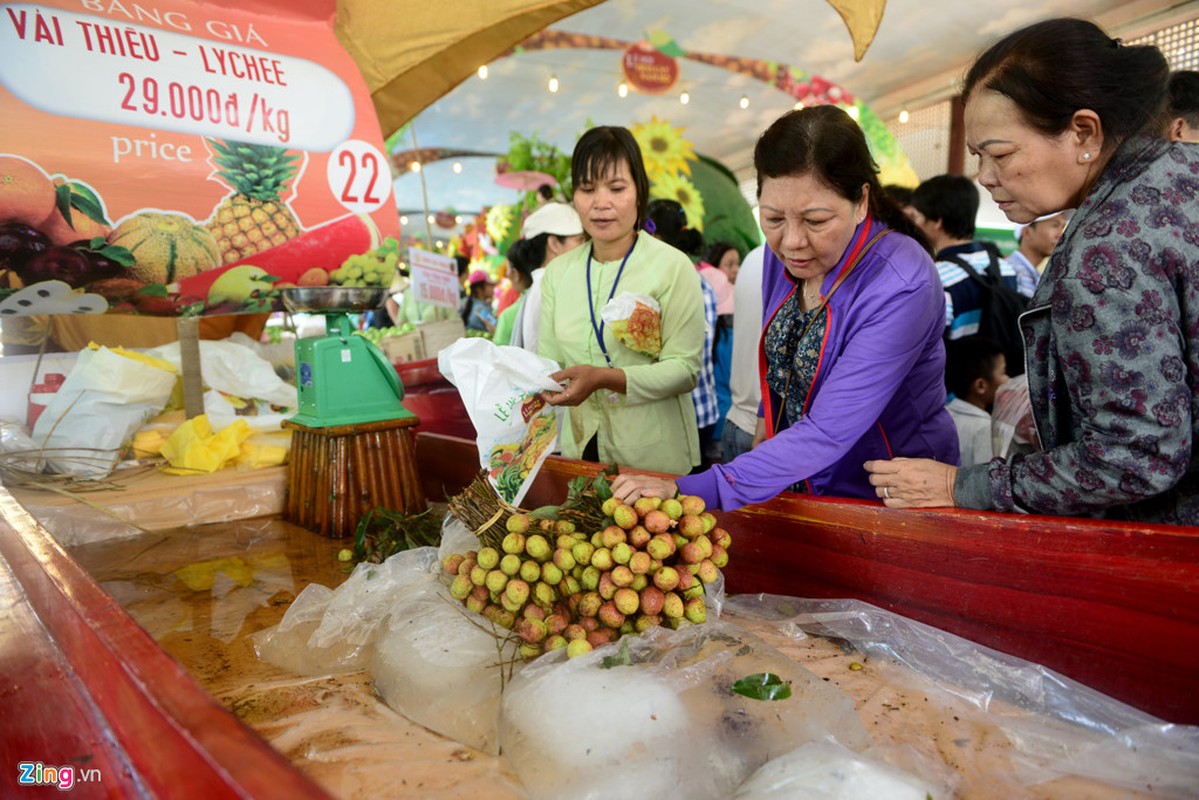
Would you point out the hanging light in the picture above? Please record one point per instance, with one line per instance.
(553, 84)
(414, 166)
(903, 117)
(483, 72)
(622, 89)
(458, 219)
(685, 98)
(432, 219)
(403, 219)
(457, 167)
(744, 102)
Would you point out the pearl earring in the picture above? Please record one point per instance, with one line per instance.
(1086, 156)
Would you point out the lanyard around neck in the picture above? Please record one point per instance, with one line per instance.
(598, 328)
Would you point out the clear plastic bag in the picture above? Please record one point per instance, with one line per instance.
(668, 722)
(1040, 725)
(328, 631)
(444, 667)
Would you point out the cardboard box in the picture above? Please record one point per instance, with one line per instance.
(442, 333)
(403, 348)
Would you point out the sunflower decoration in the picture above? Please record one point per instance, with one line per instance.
(499, 222)
(676, 187)
(663, 148)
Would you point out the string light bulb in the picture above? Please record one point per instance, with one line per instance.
(414, 166)
(685, 98)
(483, 72)
(403, 219)
(622, 89)
(432, 219)
(744, 102)
(553, 84)
(457, 167)
(903, 117)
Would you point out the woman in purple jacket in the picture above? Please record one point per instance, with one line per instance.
(851, 358)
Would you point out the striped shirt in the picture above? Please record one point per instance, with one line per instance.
(963, 298)
(707, 408)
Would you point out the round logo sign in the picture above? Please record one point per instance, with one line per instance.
(648, 70)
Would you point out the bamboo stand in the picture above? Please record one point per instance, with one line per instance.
(337, 475)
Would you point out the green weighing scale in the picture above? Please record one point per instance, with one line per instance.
(342, 379)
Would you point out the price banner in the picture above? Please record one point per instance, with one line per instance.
(434, 278)
(183, 158)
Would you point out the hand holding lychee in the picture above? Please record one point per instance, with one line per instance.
(628, 488)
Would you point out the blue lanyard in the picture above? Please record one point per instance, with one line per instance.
(599, 328)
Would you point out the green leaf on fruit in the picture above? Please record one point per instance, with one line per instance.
(544, 512)
(763, 686)
(622, 658)
(154, 290)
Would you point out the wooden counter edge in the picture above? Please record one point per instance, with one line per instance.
(177, 741)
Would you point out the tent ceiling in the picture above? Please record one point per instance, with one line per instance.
(916, 57)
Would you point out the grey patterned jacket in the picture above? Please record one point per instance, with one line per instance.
(1111, 342)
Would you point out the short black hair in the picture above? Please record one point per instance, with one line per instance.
(900, 194)
(968, 359)
(952, 199)
(715, 251)
(670, 225)
(600, 149)
(463, 263)
(1183, 89)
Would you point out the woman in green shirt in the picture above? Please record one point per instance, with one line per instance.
(629, 400)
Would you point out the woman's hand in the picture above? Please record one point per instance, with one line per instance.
(913, 482)
(627, 488)
(759, 432)
(581, 381)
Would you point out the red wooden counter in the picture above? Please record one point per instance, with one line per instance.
(1111, 605)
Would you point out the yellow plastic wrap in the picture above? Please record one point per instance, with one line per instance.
(193, 447)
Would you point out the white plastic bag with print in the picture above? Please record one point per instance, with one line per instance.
(108, 395)
(501, 388)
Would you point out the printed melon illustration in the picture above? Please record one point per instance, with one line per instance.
(166, 246)
(323, 247)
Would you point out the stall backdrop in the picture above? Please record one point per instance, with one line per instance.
(182, 158)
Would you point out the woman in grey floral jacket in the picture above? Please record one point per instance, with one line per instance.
(1062, 116)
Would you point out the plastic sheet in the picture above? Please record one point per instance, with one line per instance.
(327, 631)
(666, 724)
(144, 499)
(829, 771)
(1052, 726)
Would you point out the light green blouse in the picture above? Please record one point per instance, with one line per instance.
(651, 426)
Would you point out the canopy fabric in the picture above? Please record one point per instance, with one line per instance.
(412, 53)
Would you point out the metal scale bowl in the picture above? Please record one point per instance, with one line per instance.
(342, 379)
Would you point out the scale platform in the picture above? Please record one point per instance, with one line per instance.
(342, 379)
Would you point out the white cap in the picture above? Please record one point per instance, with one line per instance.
(556, 218)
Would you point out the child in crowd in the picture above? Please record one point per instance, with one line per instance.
(975, 368)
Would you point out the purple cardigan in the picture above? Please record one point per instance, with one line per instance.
(879, 390)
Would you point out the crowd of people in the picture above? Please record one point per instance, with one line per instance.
(875, 346)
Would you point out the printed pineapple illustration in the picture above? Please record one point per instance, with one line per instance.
(252, 218)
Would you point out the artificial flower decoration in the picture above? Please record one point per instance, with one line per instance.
(499, 222)
(676, 187)
(663, 148)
